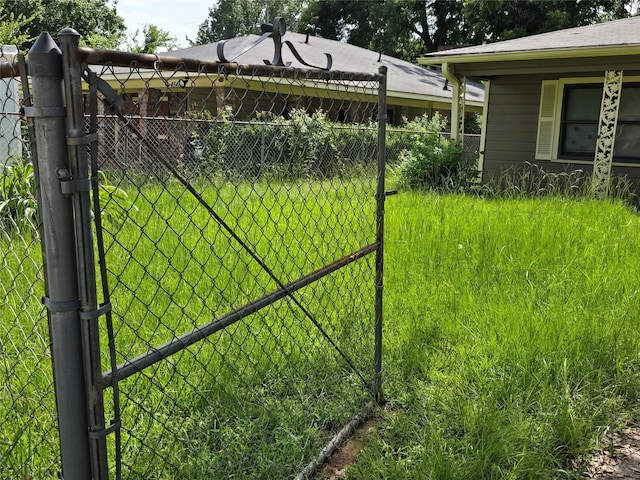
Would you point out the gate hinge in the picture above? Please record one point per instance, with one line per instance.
(44, 112)
(82, 139)
(70, 186)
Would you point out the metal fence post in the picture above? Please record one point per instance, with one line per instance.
(61, 285)
(380, 197)
(79, 185)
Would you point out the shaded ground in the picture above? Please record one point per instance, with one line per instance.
(620, 459)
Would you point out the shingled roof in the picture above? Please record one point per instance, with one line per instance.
(601, 39)
(404, 79)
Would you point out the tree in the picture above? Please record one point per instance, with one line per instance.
(12, 30)
(96, 20)
(234, 18)
(496, 20)
(408, 28)
(401, 28)
(154, 39)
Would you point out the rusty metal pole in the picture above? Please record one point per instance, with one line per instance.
(380, 197)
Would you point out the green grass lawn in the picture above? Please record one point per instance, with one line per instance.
(511, 336)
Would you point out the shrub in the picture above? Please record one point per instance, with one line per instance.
(435, 163)
(18, 208)
(304, 145)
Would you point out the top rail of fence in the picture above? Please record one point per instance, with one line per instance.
(164, 62)
(92, 56)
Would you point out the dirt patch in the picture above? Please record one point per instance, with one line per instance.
(620, 459)
(346, 455)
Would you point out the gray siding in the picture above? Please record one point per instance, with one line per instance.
(512, 124)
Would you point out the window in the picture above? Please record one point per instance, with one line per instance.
(579, 123)
(569, 119)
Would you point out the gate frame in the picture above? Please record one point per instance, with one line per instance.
(71, 281)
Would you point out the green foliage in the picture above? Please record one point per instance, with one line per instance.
(95, 19)
(407, 28)
(154, 39)
(505, 19)
(234, 18)
(303, 145)
(18, 208)
(433, 162)
(13, 29)
(511, 343)
(114, 201)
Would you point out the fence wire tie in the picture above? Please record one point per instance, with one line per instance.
(96, 434)
(93, 314)
(53, 306)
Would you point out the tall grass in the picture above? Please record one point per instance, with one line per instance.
(511, 335)
(262, 397)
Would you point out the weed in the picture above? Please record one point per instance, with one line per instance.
(18, 209)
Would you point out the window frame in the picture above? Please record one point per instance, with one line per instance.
(559, 105)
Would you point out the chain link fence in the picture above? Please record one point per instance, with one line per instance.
(28, 429)
(229, 270)
(238, 232)
(401, 139)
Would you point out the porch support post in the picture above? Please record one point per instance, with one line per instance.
(462, 92)
(606, 132)
(457, 101)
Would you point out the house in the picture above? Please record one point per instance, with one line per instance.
(10, 144)
(563, 100)
(412, 90)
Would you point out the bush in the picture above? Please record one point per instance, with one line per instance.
(435, 163)
(304, 145)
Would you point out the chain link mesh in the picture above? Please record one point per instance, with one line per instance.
(401, 140)
(29, 446)
(239, 217)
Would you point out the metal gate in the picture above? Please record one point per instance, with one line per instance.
(213, 237)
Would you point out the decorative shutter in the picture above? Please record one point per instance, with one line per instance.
(547, 120)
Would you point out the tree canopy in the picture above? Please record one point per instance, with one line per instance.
(234, 18)
(408, 28)
(154, 39)
(405, 28)
(402, 28)
(96, 20)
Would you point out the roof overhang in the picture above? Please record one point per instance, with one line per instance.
(403, 98)
(525, 55)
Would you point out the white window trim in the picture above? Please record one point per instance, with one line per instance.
(559, 101)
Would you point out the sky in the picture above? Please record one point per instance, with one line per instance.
(181, 18)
